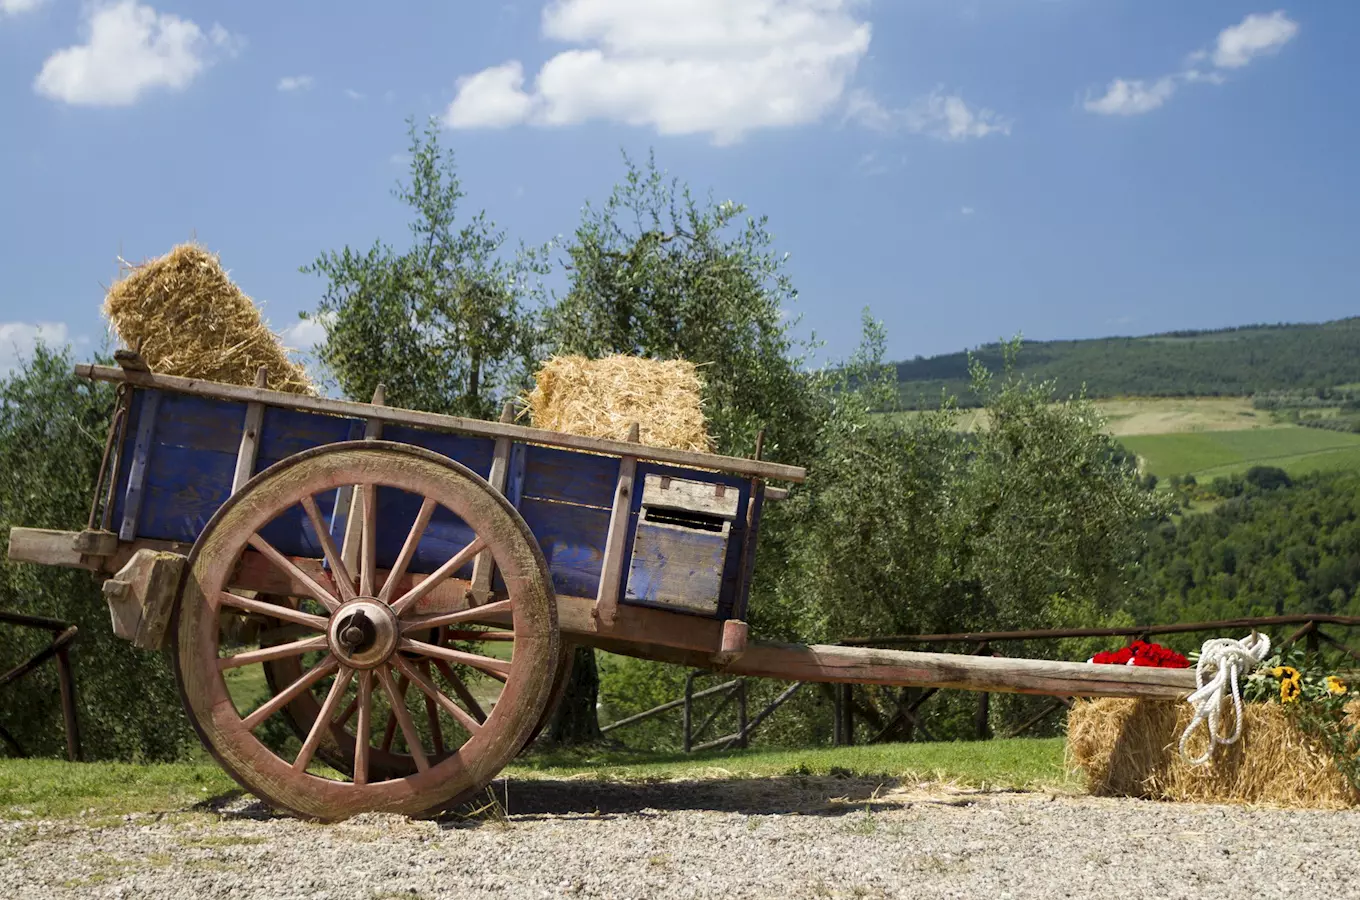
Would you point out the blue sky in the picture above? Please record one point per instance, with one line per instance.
(968, 169)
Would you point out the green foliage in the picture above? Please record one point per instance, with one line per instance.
(1234, 361)
(1266, 552)
(443, 324)
(52, 432)
(656, 273)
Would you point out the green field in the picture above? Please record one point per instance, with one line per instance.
(1209, 454)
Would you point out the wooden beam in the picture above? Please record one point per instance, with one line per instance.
(611, 568)
(249, 450)
(485, 566)
(354, 521)
(417, 418)
(858, 665)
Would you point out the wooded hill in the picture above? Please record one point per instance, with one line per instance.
(1227, 362)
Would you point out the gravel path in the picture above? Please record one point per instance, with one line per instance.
(781, 838)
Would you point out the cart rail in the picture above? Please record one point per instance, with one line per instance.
(754, 468)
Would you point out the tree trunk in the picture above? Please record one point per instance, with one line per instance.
(577, 719)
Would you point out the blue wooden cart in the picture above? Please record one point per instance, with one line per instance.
(410, 583)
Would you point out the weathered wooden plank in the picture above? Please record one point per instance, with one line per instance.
(615, 549)
(573, 539)
(678, 568)
(861, 665)
(566, 476)
(141, 454)
(354, 520)
(484, 567)
(47, 547)
(249, 451)
(714, 462)
(469, 450)
(684, 494)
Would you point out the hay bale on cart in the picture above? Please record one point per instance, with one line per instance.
(185, 317)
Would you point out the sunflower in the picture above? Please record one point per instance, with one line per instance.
(1285, 673)
(1289, 690)
(1335, 686)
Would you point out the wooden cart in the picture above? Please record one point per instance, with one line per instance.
(410, 582)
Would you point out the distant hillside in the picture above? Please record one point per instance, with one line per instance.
(1231, 362)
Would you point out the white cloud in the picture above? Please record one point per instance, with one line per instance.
(947, 117)
(304, 334)
(492, 98)
(717, 67)
(17, 340)
(1256, 35)
(1132, 97)
(15, 7)
(939, 115)
(966, 210)
(296, 82)
(352, 94)
(130, 49)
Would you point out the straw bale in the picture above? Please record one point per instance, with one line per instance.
(602, 397)
(1129, 748)
(187, 318)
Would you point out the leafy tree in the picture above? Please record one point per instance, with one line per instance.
(52, 431)
(443, 325)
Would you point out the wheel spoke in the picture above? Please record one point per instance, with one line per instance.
(408, 728)
(436, 578)
(361, 727)
(475, 636)
(264, 654)
(273, 610)
(339, 573)
(323, 720)
(369, 544)
(475, 614)
(390, 730)
(496, 668)
(433, 695)
(461, 690)
(408, 550)
(432, 712)
(285, 696)
(318, 592)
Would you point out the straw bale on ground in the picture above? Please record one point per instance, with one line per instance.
(187, 318)
(602, 397)
(1129, 748)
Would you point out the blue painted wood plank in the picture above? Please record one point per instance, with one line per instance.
(473, 452)
(137, 473)
(568, 476)
(572, 538)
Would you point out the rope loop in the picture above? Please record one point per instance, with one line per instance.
(1228, 659)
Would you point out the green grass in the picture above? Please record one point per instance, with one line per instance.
(31, 788)
(1208, 454)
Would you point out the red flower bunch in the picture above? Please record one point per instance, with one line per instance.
(1141, 653)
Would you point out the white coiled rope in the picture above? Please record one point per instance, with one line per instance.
(1228, 659)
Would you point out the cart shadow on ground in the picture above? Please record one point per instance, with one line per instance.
(529, 799)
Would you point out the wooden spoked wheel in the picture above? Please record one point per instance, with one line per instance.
(364, 643)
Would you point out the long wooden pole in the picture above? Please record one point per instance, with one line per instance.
(862, 665)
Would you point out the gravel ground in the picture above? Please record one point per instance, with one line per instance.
(784, 838)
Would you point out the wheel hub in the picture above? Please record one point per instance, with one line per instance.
(363, 633)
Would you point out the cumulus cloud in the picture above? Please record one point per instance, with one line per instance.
(295, 82)
(717, 67)
(1257, 35)
(130, 49)
(15, 7)
(17, 340)
(304, 334)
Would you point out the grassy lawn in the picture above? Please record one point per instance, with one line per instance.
(1209, 454)
(51, 788)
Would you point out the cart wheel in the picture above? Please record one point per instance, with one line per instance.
(360, 640)
(337, 746)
